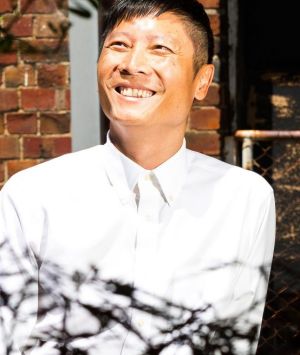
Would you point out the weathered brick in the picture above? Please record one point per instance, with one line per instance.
(203, 142)
(20, 123)
(52, 123)
(37, 99)
(9, 147)
(210, 4)
(52, 75)
(44, 50)
(44, 24)
(1, 124)
(8, 100)
(46, 147)
(8, 58)
(205, 118)
(5, 6)
(19, 26)
(61, 100)
(2, 174)
(38, 6)
(21, 75)
(14, 166)
(215, 24)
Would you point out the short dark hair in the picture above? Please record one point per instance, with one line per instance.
(191, 11)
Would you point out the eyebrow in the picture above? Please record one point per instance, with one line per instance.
(151, 37)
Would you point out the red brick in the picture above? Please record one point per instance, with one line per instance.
(210, 4)
(14, 166)
(5, 6)
(16, 76)
(68, 99)
(215, 24)
(8, 100)
(44, 23)
(19, 27)
(38, 6)
(45, 147)
(20, 123)
(8, 58)
(61, 145)
(38, 99)
(204, 142)
(52, 75)
(9, 147)
(2, 174)
(205, 118)
(44, 50)
(52, 123)
(1, 124)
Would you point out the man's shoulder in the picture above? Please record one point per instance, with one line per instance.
(68, 167)
(225, 174)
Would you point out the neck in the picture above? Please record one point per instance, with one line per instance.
(147, 147)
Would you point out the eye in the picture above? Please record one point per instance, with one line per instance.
(162, 49)
(119, 45)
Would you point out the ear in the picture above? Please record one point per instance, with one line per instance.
(204, 78)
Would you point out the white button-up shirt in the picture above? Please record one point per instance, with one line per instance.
(193, 230)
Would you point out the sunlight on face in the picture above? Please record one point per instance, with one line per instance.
(146, 73)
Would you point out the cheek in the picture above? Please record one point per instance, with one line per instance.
(107, 64)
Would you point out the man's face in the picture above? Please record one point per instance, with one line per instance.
(146, 73)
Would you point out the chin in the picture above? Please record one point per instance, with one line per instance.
(128, 121)
(129, 118)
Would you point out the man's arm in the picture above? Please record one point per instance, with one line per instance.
(18, 278)
(252, 283)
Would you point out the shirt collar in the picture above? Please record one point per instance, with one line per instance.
(124, 173)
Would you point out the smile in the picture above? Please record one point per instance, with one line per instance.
(138, 93)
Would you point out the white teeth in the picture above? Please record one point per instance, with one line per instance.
(135, 92)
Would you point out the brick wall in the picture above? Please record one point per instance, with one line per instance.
(34, 87)
(205, 120)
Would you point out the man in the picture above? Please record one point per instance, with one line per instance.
(143, 208)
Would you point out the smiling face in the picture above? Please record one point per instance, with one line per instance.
(146, 73)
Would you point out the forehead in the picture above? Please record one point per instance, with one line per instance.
(168, 25)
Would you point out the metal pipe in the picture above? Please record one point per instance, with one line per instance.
(263, 134)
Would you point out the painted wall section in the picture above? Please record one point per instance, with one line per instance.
(84, 48)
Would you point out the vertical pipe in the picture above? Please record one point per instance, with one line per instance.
(247, 154)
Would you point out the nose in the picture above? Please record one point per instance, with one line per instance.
(135, 62)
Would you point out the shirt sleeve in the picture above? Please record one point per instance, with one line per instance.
(252, 282)
(18, 278)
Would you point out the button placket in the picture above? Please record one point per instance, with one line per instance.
(147, 233)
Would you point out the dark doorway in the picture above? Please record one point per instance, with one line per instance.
(269, 98)
(269, 64)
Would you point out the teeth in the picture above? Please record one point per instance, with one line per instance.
(135, 92)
